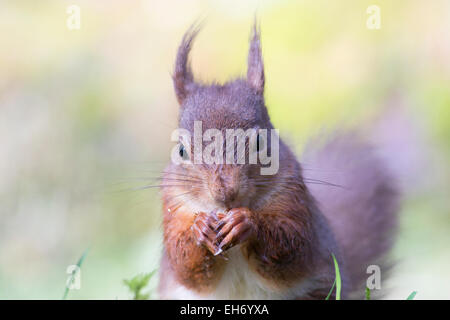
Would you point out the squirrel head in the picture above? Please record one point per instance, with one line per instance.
(237, 104)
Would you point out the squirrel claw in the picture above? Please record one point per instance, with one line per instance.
(218, 251)
(236, 227)
(203, 231)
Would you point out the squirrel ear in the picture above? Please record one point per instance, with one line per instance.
(255, 66)
(183, 80)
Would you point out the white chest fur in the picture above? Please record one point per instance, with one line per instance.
(240, 282)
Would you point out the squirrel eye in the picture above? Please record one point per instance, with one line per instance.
(183, 153)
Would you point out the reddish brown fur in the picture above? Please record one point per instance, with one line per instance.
(195, 266)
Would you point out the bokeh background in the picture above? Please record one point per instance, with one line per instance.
(86, 117)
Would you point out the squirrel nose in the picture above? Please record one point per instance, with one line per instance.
(229, 195)
(224, 191)
(225, 194)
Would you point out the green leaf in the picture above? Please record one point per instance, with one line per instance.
(138, 283)
(74, 273)
(412, 295)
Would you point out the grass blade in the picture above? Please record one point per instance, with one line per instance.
(367, 293)
(331, 290)
(412, 295)
(338, 278)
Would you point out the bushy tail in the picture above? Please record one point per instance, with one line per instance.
(361, 209)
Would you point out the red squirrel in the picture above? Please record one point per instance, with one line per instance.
(232, 233)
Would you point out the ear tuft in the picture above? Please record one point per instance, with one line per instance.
(255, 68)
(183, 80)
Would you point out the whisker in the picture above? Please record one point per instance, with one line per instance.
(180, 194)
(261, 181)
(323, 182)
(175, 173)
(160, 186)
(178, 203)
(176, 179)
(159, 178)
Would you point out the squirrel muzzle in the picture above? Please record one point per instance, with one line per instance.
(224, 186)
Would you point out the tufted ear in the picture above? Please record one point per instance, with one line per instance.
(183, 80)
(255, 66)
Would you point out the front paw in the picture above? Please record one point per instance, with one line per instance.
(234, 228)
(204, 230)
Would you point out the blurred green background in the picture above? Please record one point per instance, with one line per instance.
(86, 116)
